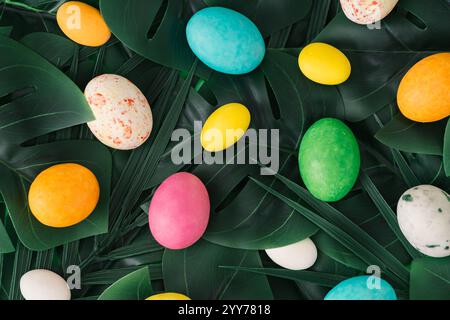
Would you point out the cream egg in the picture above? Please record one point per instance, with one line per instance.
(123, 116)
(423, 215)
(367, 11)
(297, 256)
(43, 284)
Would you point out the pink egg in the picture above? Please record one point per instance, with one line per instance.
(179, 211)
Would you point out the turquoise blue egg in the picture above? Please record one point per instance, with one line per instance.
(225, 40)
(357, 288)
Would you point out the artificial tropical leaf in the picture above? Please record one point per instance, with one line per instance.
(56, 49)
(398, 272)
(386, 53)
(414, 137)
(149, 48)
(430, 279)
(196, 272)
(447, 150)
(269, 16)
(134, 286)
(322, 279)
(27, 83)
(166, 45)
(6, 245)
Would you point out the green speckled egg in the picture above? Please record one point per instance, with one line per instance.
(329, 160)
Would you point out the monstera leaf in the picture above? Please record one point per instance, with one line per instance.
(158, 32)
(430, 279)
(386, 52)
(36, 99)
(134, 286)
(195, 272)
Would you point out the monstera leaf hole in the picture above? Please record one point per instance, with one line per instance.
(154, 27)
(273, 101)
(414, 19)
(232, 194)
(16, 95)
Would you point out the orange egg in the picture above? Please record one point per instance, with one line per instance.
(63, 195)
(424, 92)
(83, 24)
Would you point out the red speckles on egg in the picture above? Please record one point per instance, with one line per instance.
(129, 101)
(125, 120)
(97, 100)
(367, 11)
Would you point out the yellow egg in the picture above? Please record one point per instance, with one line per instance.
(225, 127)
(168, 296)
(63, 195)
(324, 64)
(83, 24)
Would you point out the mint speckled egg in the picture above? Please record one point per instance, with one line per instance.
(225, 40)
(329, 160)
(362, 288)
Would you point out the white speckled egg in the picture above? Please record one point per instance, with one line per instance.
(423, 215)
(298, 256)
(367, 11)
(43, 285)
(123, 116)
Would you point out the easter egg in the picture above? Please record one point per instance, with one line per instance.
(123, 116)
(63, 195)
(297, 256)
(423, 94)
(224, 127)
(329, 159)
(83, 24)
(423, 215)
(168, 296)
(179, 211)
(225, 40)
(324, 64)
(367, 11)
(362, 288)
(44, 285)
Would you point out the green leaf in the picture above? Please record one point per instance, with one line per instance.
(414, 137)
(447, 149)
(167, 46)
(269, 16)
(195, 272)
(6, 31)
(47, 99)
(430, 279)
(322, 279)
(398, 273)
(338, 252)
(410, 33)
(56, 49)
(134, 286)
(143, 162)
(23, 164)
(341, 221)
(6, 245)
(387, 212)
(109, 276)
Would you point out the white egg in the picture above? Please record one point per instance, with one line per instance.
(423, 215)
(123, 116)
(298, 256)
(43, 285)
(367, 11)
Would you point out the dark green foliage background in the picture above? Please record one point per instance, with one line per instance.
(42, 116)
